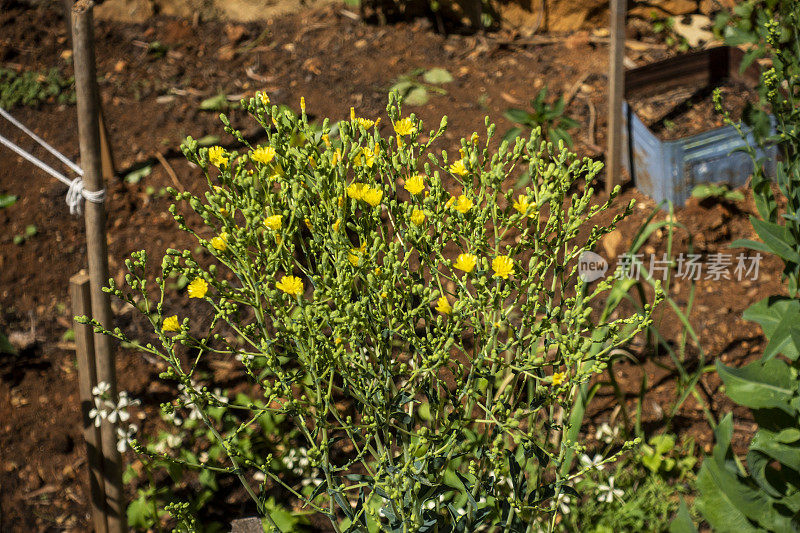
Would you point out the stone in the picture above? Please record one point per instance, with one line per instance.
(125, 10)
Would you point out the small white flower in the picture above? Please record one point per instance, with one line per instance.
(595, 462)
(97, 415)
(606, 433)
(124, 436)
(203, 457)
(259, 476)
(563, 503)
(608, 492)
(101, 388)
(173, 441)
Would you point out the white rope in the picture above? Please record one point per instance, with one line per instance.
(61, 157)
(75, 191)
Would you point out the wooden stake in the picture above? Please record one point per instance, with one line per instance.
(87, 379)
(616, 80)
(97, 246)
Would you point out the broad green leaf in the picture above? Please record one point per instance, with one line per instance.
(759, 385)
(779, 317)
(519, 116)
(753, 245)
(437, 76)
(777, 238)
(723, 498)
(417, 96)
(682, 523)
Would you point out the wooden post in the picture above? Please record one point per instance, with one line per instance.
(97, 246)
(87, 379)
(616, 83)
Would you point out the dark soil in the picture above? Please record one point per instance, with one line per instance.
(151, 96)
(686, 111)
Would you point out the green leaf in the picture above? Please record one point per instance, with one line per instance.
(512, 134)
(139, 513)
(519, 116)
(137, 175)
(208, 140)
(416, 96)
(215, 103)
(437, 76)
(778, 238)
(722, 499)
(759, 385)
(779, 317)
(7, 200)
(5, 346)
(682, 523)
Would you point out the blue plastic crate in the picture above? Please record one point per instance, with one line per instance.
(669, 170)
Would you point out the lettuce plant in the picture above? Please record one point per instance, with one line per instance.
(427, 346)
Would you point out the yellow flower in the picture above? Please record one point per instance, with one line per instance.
(417, 217)
(366, 157)
(502, 266)
(217, 156)
(263, 154)
(450, 202)
(356, 191)
(522, 204)
(354, 255)
(274, 222)
(415, 184)
(405, 127)
(171, 324)
(365, 122)
(198, 288)
(308, 223)
(474, 138)
(337, 155)
(220, 242)
(443, 306)
(372, 195)
(558, 378)
(263, 97)
(337, 224)
(465, 262)
(302, 104)
(463, 204)
(459, 168)
(290, 285)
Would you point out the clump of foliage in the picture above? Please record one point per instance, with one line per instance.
(766, 494)
(427, 347)
(30, 88)
(549, 117)
(416, 86)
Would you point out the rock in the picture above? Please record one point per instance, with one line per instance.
(125, 10)
(694, 28)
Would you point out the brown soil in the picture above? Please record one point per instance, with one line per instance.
(151, 97)
(686, 111)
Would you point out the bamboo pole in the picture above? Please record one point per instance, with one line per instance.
(87, 379)
(97, 246)
(616, 81)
